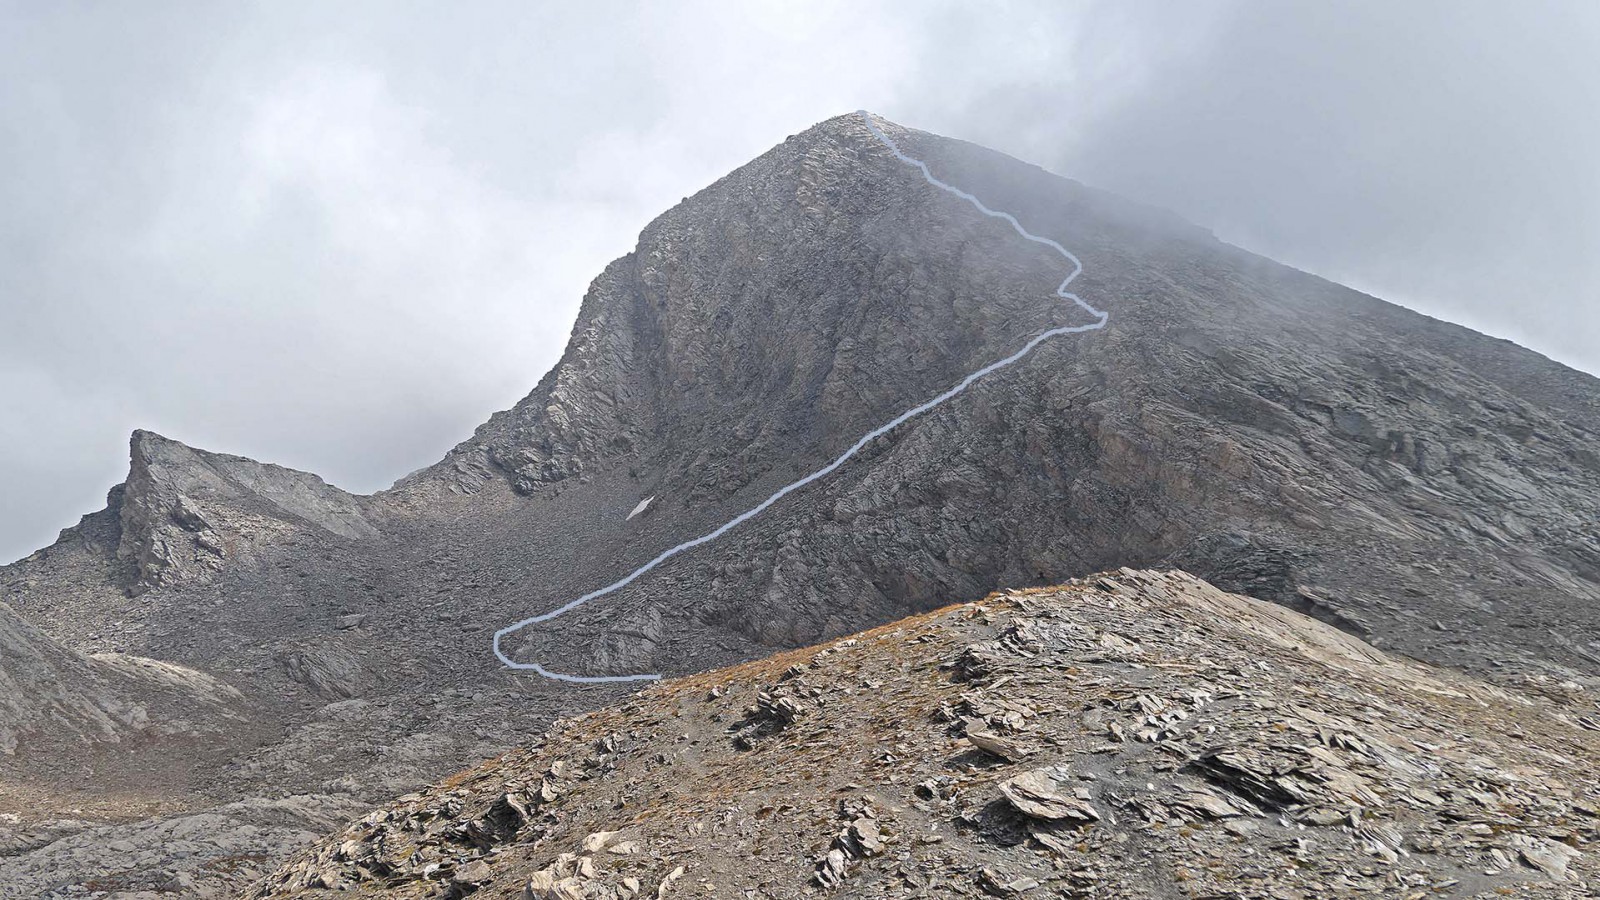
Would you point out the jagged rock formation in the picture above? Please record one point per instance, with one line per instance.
(1410, 481)
(182, 518)
(184, 511)
(1139, 734)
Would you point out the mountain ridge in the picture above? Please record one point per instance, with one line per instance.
(1276, 434)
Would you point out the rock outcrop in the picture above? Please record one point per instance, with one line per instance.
(183, 518)
(204, 853)
(183, 511)
(1136, 734)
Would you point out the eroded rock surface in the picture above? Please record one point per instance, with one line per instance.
(1175, 740)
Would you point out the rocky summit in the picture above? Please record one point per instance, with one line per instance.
(232, 658)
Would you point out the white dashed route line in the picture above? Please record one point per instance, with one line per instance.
(1062, 292)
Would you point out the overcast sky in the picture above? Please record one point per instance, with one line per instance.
(338, 236)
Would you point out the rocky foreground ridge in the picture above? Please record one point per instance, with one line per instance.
(1134, 734)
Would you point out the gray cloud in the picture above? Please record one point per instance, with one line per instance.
(337, 238)
(1439, 155)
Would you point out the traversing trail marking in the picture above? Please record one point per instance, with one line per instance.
(1062, 292)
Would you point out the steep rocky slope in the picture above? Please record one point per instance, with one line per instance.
(182, 518)
(1429, 488)
(131, 774)
(99, 737)
(1414, 482)
(1138, 734)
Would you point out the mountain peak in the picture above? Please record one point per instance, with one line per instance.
(184, 511)
(142, 436)
(763, 325)
(771, 285)
(145, 445)
(827, 392)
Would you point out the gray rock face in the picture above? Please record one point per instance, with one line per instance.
(53, 699)
(210, 853)
(1404, 478)
(329, 670)
(1429, 488)
(183, 509)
